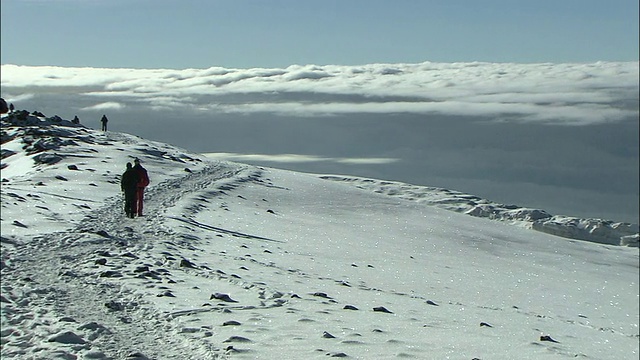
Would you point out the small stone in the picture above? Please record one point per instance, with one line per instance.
(223, 297)
(237, 339)
(67, 337)
(231, 323)
(110, 274)
(137, 356)
(548, 338)
(382, 309)
(19, 224)
(141, 269)
(321, 294)
(187, 263)
(103, 233)
(326, 335)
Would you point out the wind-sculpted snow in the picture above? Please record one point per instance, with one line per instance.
(237, 261)
(595, 230)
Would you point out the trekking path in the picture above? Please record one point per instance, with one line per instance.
(83, 285)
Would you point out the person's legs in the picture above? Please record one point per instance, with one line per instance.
(139, 200)
(134, 201)
(130, 203)
(127, 206)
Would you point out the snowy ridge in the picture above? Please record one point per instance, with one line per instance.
(594, 230)
(233, 261)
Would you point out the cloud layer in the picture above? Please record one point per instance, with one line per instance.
(567, 94)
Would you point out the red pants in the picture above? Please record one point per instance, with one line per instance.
(138, 201)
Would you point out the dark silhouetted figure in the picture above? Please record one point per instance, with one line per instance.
(11, 107)
(143, 181)
(104, 122)
(129, 185)
(76, 120)
(3, 106)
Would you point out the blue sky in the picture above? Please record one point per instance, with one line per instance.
(277, 33)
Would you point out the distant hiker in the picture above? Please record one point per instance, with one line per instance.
(11, 107)
(3, 106)
(76, 120)
(143, 181)
(129, 185)
(104, 122)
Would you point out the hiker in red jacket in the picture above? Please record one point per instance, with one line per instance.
(142, 183)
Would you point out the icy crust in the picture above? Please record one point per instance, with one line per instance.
(593, 230)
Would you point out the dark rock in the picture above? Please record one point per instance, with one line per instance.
(72, 167)
(19, 224)
(187, 263)
(350, 307)
(237, 339)
(141, 269)
(60, 177)
(321, 294)
(231, 323)
(222, 297)
(326, 335)
(485, 324)
(67, 337)
(101, 261)
(137, 356)
(151, 274)
(166, 293)
(114, 305)
(103, 234)
(382, 309)
(432, 303)
(339, 355)
(110, 274)
(548, 338)
(48, 159)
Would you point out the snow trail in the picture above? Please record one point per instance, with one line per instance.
(96, 305)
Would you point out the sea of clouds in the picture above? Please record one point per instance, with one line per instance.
(566, 94)
(561, 137)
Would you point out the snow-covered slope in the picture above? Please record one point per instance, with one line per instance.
(238, 261)
(596, 230)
